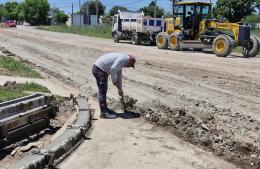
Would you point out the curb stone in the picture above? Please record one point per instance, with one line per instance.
(55, 151)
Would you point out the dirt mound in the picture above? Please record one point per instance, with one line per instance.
(230, 135)
(10, 85)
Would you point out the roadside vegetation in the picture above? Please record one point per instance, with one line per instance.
(9, 66)
(103, 31)
(13, 91)
(256, 32)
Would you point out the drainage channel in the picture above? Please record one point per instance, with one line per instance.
(24, 116)
(53, 153)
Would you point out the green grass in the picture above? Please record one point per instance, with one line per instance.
(256, 33)
(103, 31)
(14, 67)
(20, 90)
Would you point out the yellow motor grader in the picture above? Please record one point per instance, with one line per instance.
(191, 28)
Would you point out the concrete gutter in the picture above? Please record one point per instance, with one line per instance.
(57, 150)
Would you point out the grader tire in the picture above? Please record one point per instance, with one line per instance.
(162, 40)
(174, 42)
(223, 45)
(253, 48)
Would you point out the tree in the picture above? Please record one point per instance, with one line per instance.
(9, 10)
(115, 9)
(2, 11)
(234, 10)
(61, 17)
(36, 11)
(149, 10)
(92, 7)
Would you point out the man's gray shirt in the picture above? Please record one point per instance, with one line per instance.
(112, 64)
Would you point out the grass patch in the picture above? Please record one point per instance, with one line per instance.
(103, 31)
(256, 33)
(10, 66)
(20, 90)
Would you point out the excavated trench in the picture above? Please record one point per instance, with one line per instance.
(231, 136)
(19, 142)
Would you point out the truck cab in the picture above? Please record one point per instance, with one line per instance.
(188, 16)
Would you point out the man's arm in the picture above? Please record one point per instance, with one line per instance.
(116, 72)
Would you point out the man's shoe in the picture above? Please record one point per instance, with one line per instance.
(106, 115)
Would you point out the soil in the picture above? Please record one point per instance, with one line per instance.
(208, 101)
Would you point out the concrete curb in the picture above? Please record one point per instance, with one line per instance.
(55, 151)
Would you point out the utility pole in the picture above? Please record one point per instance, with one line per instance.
(87, 13)
(97, 12)
(155, 8)
(72, 14)
(79, 13)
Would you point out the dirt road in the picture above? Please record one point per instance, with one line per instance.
(215, 100)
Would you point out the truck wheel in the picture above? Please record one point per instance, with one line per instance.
(174, 42)
(162, 40)
(116, 38)
(135, 39)
(223, 45)
(252, 48)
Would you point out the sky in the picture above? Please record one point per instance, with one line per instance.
(65, 5)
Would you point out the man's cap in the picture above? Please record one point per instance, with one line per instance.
(131, 61)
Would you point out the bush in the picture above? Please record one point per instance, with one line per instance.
(252, 19)
(62, 18)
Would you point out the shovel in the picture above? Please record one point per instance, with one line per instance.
(123, 103)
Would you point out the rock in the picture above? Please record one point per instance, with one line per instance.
(253, 156)
(182, 112)
(148, 115)
(29, 146)
(23, 142)
(10, 85)
(13, 152)
(205, 127)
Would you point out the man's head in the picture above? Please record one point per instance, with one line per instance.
(131, 61)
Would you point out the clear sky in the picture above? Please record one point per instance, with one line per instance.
(65, 5)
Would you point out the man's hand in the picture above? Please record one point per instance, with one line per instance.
(120, 92)
(116, 84)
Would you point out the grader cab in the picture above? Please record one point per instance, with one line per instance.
(192, 28)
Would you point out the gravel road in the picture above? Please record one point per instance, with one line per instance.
(216, 100)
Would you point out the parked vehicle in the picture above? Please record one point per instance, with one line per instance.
(192, 27)
(26, 24)
(10, 24)
(136, 27)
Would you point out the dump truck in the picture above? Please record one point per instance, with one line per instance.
(192, 27)
(136, 27)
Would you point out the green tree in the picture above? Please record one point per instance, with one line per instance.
(10, 10)
(36, 11)
(149, 10)
(234, 10)
(61, 17)
(2, 11)
(92, 7)
(115, 9)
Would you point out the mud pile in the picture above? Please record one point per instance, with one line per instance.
(229, 135)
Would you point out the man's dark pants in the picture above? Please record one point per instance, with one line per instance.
(101, 78)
